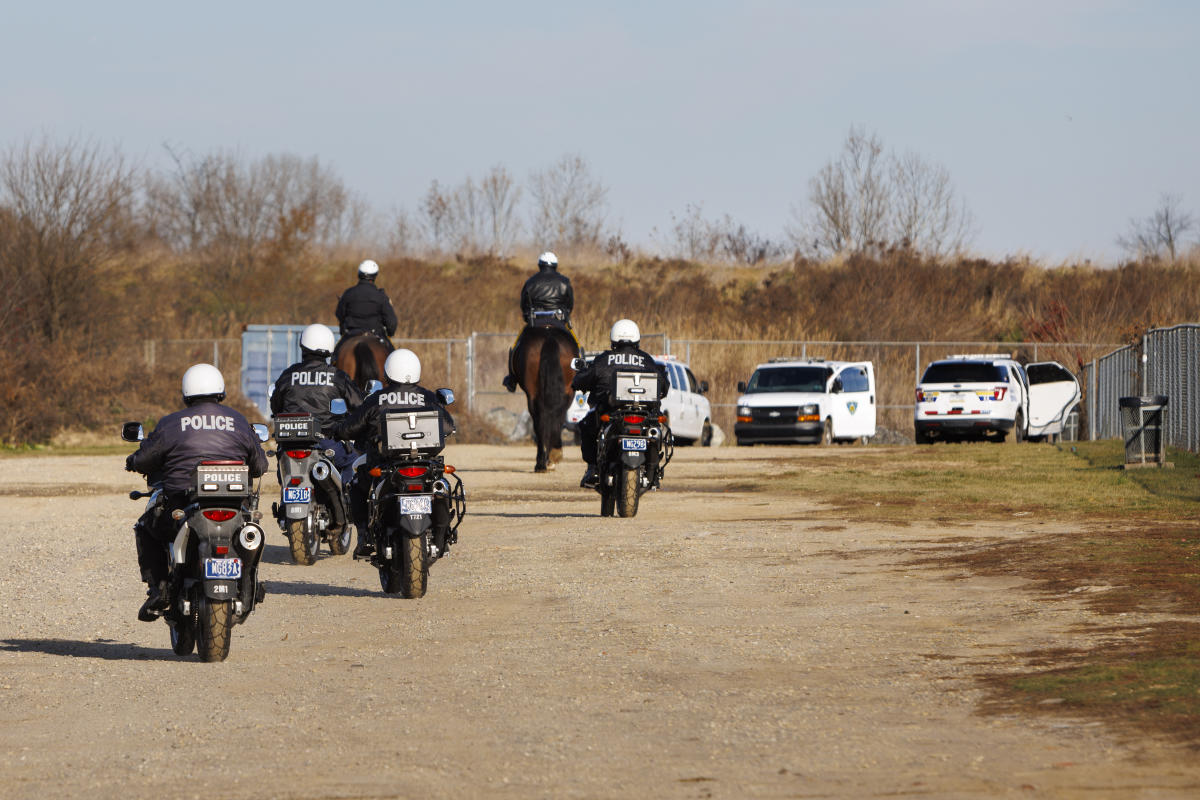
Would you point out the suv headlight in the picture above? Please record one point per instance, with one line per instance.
(811, 408)
(743, 411)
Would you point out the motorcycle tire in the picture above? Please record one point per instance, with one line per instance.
(215, 618)
(628, 480)
(183, 635)
(303, 541)
(608, 499)
(414, 572)
(339, 544)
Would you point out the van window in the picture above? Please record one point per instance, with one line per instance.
(788, 379)
(854, 379)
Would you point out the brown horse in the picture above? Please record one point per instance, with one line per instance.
(543, 361)
(361, 356)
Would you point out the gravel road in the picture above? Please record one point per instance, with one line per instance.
(721, 644)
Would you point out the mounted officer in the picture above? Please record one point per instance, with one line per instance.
(402, 393)
(204, 430)
(546, 300)
(624, 355)
(308, 385)
(364, 307)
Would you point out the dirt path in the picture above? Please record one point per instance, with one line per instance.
(717, 645)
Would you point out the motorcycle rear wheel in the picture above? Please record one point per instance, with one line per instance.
(215, 619)
(628, 480)
(414, 572)
(339, 544)
(183, 635)
(303, 541)
(608, 497)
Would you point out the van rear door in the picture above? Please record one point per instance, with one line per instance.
(1053, 392)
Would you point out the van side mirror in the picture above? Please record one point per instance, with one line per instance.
(837, 386)
(337, 406)
(132, 432)
(261, 431)
(446, 396)
(578, 364)
(703, 387)
(741, 387)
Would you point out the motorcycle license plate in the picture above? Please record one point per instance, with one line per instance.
(416, 504)
(223, 568)
(633, 444)
(297, 494)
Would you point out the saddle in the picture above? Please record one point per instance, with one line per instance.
(552, 318)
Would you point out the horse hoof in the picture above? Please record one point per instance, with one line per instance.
(539, 469)
(555, 456)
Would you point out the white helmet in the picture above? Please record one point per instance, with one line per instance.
(368, 269)
(203, 380)
(548, 259)
(625, 330)
(403, 366)
(318, 339)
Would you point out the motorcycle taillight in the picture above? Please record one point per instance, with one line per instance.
(412, 472)
(635, 419)
(219, 514)
(414, 487)
(299, 455)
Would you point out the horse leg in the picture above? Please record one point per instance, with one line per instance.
(535, 413)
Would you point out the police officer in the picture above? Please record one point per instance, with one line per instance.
(402, 393)
(624, 355)
(546, 299)
(366, 307)
(204, 430)
(308, 385)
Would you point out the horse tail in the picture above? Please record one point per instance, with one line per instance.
(551, 390)
(364, 361)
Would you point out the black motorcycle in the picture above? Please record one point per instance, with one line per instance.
(416, 501)
(634, 446)
(311, 511)
(213, 580)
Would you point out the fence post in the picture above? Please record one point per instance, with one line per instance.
(917, 366)
(449, 367)
(216, 353)
(688, 359)
(1093, 382)
(471, 372)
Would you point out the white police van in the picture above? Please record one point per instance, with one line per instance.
(688, 411)
(789, 400)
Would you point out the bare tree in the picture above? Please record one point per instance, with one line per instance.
(500, 197)
(694, 237)
(66, 209)
(1159, 234)
(719, 240)
(927, 215)
(569, 205)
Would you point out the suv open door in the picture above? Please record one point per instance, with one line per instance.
(1053, 392)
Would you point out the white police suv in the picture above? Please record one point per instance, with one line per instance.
(790, 400)
(992, 396)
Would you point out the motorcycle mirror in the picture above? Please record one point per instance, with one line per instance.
(578, 364)
(132, 432)
(447, 396)
(337, 406)
(261, 431)
(373, 387)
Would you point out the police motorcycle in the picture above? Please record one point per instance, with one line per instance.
(311, 511)
(410, 488)
(213, 561)
(631, 433)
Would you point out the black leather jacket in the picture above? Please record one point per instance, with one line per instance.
(597, 378)
(201, 432)
(366, 307)
(309, 385)
(362, 426)
(547, 290)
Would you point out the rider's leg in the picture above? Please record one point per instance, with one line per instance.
(589, 430)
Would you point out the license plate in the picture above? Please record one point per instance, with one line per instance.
(416, 504)
(297, 494)
(633, 444)
(223, 568)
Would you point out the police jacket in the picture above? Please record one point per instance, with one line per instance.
(547, 290)
(201, 432)
(309, 385)
(366, 307)
(597, 378)
(363, 426)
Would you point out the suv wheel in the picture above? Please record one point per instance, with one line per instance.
(1019, 428)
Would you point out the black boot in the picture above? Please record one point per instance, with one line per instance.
(365, 547)
(590, 479)
(158, 599)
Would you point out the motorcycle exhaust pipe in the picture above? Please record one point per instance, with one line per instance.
(654, 433)
(322, 475)
(250, 538)
(320, 471)
(442, 488)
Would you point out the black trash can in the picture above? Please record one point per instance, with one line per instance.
(1142, 424)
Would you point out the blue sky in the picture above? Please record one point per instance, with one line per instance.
(1057, 121)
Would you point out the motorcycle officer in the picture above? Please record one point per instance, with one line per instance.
(546, 299)
(364, 307)
(624, 355)
(308, 385)
(402, 393)
(203, 430)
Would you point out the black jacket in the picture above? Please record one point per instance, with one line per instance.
(597, 377)
(309, 386)
(363, 425)
(366, 307)
(201, 432)
(547, 290)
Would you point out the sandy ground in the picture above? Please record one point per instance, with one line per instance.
(720, 644)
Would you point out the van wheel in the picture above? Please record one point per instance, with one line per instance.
(827, 434)
(706, 434)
